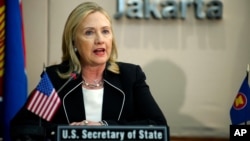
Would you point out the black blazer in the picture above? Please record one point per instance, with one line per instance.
(127, 100)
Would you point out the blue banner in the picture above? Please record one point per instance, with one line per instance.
(15, 79)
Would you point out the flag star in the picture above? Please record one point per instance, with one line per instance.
(239, 101)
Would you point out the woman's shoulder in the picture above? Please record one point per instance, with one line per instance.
(62, 67)
(129, 67)
(130, 71)
(53, 70)
(126, 65)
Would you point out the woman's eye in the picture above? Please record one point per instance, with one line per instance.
(88, 32)
(106, 31)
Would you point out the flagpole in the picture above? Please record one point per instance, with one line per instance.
(248, 69)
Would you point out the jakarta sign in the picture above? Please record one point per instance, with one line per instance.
(165, 9)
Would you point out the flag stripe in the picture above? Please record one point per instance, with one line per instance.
(50, 108)
(54, 108)
(30, 102)
(47, 100)
(39, 103)
(40, 106)
(36, 103)
(34, 100)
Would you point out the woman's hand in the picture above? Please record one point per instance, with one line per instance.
(87, 123)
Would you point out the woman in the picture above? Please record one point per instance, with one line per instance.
(106, 92)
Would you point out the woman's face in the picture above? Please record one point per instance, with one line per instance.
(94, 40)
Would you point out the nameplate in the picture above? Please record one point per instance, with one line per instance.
(111, 133)
(239, 132)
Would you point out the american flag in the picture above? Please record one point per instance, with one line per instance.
(44, 101)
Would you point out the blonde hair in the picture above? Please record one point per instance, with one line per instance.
(69, 33)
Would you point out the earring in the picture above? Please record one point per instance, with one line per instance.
(75, 49)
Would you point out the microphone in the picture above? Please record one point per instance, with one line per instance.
(73, 75)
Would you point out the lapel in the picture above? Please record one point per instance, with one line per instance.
(73, 101)
(114, 97)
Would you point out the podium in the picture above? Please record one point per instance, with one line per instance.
(112, 133)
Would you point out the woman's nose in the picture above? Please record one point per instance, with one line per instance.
(99, 38)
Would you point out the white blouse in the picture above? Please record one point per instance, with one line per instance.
(93, 99)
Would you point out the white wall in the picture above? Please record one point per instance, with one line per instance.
(35, 15)
(194, 67)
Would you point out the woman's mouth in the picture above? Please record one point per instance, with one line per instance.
(99, 51)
